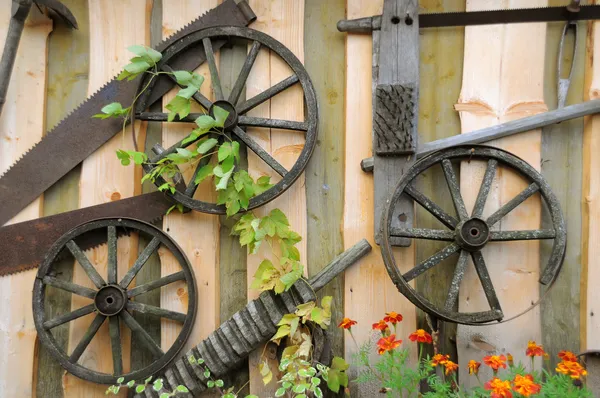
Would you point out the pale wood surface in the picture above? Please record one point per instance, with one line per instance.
(114, 27)
(498, 88)
(368, 292)
(283, 20)
(21, 126)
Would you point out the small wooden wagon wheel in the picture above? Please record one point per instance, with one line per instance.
(238, 119)
(112, 300)
(467, 235)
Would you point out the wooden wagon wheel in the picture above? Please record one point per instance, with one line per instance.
(113, 300)
(238, 119)
(468, 234)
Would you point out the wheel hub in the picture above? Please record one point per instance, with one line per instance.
(110, 300)
(472, 234)
(232, 118)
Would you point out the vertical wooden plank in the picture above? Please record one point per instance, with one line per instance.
(368, 290)
(21, 126)
(283, 20)
(562, 146)
(68, 63)
(115, 26)
(325, 171)
(498, 88)
(196, 233)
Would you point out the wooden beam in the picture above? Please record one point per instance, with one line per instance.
(369, 274)
(21, 126)
(114, 27)
(498, 88)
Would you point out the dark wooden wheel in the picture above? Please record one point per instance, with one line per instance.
(112, 300)
(467, 234)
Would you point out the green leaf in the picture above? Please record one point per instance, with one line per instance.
(204, 172)
(183, 77)
(206, 373)
(318, 392)
(205, 122)
(140, 388)
(158, 385)
(225, 151)
(299, 388)
(223, 177)
(210, 384)
(281, 332)
(178, 106)
(130, 383)
(187, 92)
(137, 67)
(114, 109)
(333, 381)
(339, 363)
(148, 380)
(220, 116)
(151, 55)
(294, 326)
(280, 392)
(181, 388)
(184, 152)
(219, 383)
(315, 381)
(124, 157)
(207, 145)
(164, 395)
(120, 380)
(138, 157)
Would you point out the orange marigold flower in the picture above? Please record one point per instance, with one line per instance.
(392, 317)
(534, 350)
(498, 388)
(567, 356)
(388, 344)
(421, 336)
(451, 367)
(495, 361)
(572, 369)
(439, 359)
(510, 359)
(525, 385)
(473, 367)
(381, 325)
(346, 323)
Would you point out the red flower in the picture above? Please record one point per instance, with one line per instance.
(525, 385)
(567, 356)
(534, 350)
(473, 367)
(573, 369)
(451, 367)
(495, 362)
(421, 336)
(347, 323)
(498, 388)
(392, 317)
(439, 359)
(388, 344)
(381, 325)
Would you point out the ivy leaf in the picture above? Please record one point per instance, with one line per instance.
(207, 145)
(205, 122)
(158, 385)
(140, 388)
(283, 331)
(305, 309)
(130, 383)
(124, 157)
(149, 54)
(210, 384)
(225, 151)
(219, 383)
(339, 363)
(223, 177)
(114, 109)
(181, 388)
(178, 106)
(187, 92)
(204, 172)
(220, 116)
(262, 184)
(263, 277)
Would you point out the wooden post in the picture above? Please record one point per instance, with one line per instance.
(114, 27)
(21, 126)
(502, 81)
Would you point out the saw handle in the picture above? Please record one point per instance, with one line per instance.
(360, 25)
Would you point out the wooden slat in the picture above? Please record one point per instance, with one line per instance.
(283, 20)
(21, 126)
(498, 88)
(369, 275)
(196, 233)
(103, 179)
(68, 63)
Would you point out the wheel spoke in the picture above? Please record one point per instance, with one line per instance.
(454, 188)
(147, 340)
(486, 281)
(236, 91)
(139, 263)
(423, 233)
(85, 264)
(459, 272)
(268, 93)
(198, 97)
(191, 188)
(431, 261)
(112, 254)
(78, 313)
(136, 291)
(70, 287)
(152, 310)
(87, 338)
(514, 202)
(212, 65)
(272, 123)
(484, 190)
(260, 152)
(431, 207)
(115, 343)
(534, 234)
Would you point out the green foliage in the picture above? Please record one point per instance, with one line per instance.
(113, 109)
(145, 59)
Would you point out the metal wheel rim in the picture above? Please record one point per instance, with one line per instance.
(547, 275)
(310, 104)
(45, 335)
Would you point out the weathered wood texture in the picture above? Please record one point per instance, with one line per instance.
(368, 291)
(497, 88)
(21, 126)
(68, 64)
(104, 179)
(325, 171)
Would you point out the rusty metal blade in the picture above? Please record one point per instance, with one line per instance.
(61, 10)
(24, 245)
(79, 135)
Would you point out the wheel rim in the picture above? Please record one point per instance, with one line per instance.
(468, 234)
(206, 37)
(112, 300)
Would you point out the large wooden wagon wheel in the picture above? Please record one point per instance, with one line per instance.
(112, 300)
(466, 235)
(238, 109)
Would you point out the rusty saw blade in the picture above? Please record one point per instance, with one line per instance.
(24, 245)
(79, 135)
